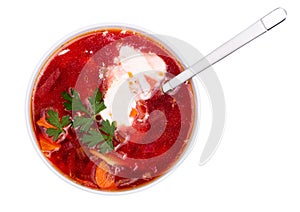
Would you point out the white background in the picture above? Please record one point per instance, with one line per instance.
(257, 166)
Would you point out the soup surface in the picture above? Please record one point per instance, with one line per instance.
(99, 116)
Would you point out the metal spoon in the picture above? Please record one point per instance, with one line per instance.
(263, 25)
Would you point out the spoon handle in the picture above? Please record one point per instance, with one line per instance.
(261, 26)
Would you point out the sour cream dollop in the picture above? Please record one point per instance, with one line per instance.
(131, 78)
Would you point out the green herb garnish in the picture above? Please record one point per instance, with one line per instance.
(85, 121)
(54, 120)
(92, 138)
(105, 133)
(96, 102)
(73, 101)
(108, 129)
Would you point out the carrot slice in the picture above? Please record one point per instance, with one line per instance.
(130, 75)
(43, 123)
(133, 113)
(48, 145)
(103, 178)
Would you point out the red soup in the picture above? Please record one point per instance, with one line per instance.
(99, 116)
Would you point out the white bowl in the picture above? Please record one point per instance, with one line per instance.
(184, 53)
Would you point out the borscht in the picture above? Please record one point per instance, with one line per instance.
(98, 114)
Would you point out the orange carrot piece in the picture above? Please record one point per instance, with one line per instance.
(103, 178)
(43, 123)
(133, 113)
(130, 75)
(48, 145)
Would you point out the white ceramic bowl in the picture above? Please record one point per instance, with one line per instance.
(175, 46)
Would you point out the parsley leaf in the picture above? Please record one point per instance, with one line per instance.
(108, 128)
(83, 123)
(73, 101)
(65, 120)
(96, 137)
(53, 119)
(106, 146)
(96, 102)
(54, 132)
(93, 138)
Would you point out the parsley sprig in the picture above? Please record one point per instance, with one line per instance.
(73, 101)
(58, 123)
(96, 102)
(105, 133)
(84, 120)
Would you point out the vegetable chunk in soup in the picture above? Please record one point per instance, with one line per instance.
(99, 116)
